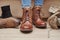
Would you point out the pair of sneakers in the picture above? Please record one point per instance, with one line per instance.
(30, 17)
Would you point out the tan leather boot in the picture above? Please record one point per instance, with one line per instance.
(54, 20)
(26, 25)
(37, 19)
(9, 22)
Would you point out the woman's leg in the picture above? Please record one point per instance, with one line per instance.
(39, 2)
(36, 14)
(26, 3)
(26, 25)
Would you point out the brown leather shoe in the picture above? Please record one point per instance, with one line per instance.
(37, 19)
(9, 22)
(26, 25)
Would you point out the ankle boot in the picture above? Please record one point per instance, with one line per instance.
(9, 22)
(37, 19)
(26, 25)
(54, 20)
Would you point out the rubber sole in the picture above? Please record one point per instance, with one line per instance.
(26, 31)
(41, 27)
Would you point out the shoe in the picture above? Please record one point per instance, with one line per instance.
(54, 21)
(26, 24)
(9, 23)
(39, 23)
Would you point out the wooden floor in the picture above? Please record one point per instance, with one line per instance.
(37, 34)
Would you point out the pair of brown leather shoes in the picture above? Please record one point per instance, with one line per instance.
(30, 16)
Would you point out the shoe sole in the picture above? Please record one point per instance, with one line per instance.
(26, 31)
(42, 27)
